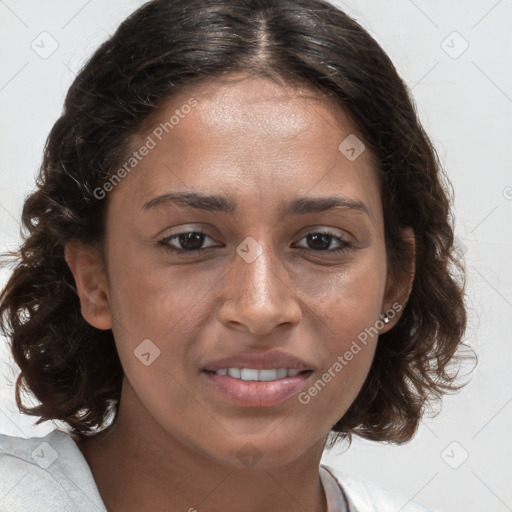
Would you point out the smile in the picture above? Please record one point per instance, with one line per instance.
(254, 374)
(248, 387)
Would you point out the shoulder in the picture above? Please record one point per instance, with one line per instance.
(362, 496)
(47, 473)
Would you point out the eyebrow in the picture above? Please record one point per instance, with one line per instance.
(218, 203)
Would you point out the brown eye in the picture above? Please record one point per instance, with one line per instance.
(190, 242)
(322, 241)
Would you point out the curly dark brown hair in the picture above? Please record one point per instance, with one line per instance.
(165, 47)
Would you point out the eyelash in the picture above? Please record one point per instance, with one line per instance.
(164, 242)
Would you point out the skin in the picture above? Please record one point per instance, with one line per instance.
(175, 442)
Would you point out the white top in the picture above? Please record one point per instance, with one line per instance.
(50, 474)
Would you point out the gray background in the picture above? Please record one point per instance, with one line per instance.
(464, 99)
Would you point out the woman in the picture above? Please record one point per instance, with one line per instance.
(239, 252)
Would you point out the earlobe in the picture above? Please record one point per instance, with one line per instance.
(399, 286)
(86, 265)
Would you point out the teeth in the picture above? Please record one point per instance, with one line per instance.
(282, 373)
(263, 375)
(234, 372)
(248, 374)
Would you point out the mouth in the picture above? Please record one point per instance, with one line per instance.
(253, 374)
(250, 387)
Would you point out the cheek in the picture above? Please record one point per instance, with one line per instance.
(347, 308)
(348, 343)
(160, 311)
(349, 297)
(153, 298)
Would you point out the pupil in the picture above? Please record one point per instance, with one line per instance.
(191, 241)
(319, 241)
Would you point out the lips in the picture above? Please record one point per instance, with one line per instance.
(269, 360)
(251, 374)
(257, 379)
(255, 393)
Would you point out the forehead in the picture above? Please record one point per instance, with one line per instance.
(241, 106)
(253, 136)
(261, 106)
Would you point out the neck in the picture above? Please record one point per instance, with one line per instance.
(138, 466)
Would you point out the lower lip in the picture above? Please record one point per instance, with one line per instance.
(254, 393)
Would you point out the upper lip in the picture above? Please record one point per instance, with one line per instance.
(260, 361)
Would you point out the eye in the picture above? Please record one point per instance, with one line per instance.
(190, 242)
(322, 241)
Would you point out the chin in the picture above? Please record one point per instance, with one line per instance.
(260, 454)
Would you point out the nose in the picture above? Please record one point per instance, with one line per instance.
(257, 295)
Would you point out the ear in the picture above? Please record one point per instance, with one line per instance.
(86, 265)
(399, 284)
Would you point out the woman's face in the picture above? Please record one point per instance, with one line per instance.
(292, 260)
